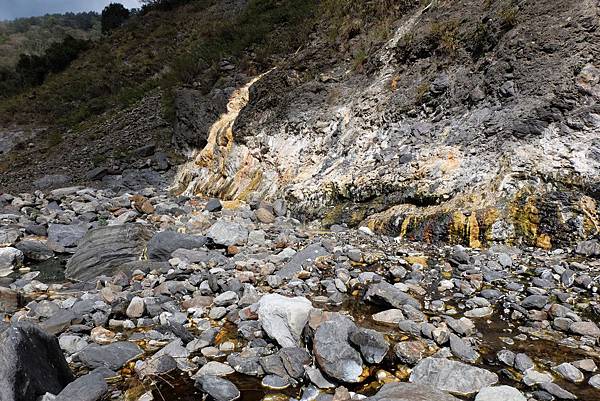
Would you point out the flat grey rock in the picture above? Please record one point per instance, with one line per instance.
(227, 233)
(452, 376)
(410, 392)
(64, 238)
(503, 393)
(164, 243)
(113, 356)
(386, 294)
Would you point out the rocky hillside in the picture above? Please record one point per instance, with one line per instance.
(468, 127)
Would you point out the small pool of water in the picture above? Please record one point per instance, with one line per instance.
(52, 271)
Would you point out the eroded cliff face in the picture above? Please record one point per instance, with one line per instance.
(472, 123)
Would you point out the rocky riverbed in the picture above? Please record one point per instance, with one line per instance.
(146, 296)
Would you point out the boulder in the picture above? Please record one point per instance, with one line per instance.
(105, 251)
(31, 363)
(156, 365)
(113, 356)
(301, 259)
(35, 250)
(90, 387)
(452, 376)
(504, 393)
(227, 233)
(64, 238)
(10, 258)
(283, 318)
(334, 355)
(218, 388)
(164, 243)
(386, 294)
(10, 300)
(371, 343)
(410, 392)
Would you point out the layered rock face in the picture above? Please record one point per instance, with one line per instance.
(473, 123)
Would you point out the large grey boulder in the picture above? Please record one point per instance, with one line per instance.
(333, 353)
(31, 363)
(10, 258)
(228, 233)
(104, 251)
(64, 238)
(410, 392)
(284, 318)
(164, 243)
(454, 377)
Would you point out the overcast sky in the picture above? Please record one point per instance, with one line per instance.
(11, 9)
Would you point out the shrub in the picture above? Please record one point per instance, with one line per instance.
(509, 16)
(445, 36)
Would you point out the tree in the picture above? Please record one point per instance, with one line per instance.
(32, 69)
(113, 16)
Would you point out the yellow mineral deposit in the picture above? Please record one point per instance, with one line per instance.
(215, 170)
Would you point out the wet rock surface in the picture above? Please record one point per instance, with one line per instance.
(354, 314)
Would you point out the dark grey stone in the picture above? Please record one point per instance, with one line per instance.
(410, 392)
(164, 243)
(31, 363)
(301, 259)
(386, 294)
(333, 353)
(113, 356)
(90, 387)
(371, 343)
(218, 388)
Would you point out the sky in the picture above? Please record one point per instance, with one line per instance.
(11, 9)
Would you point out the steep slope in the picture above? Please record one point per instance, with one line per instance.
(119, 97)
(473, 123)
